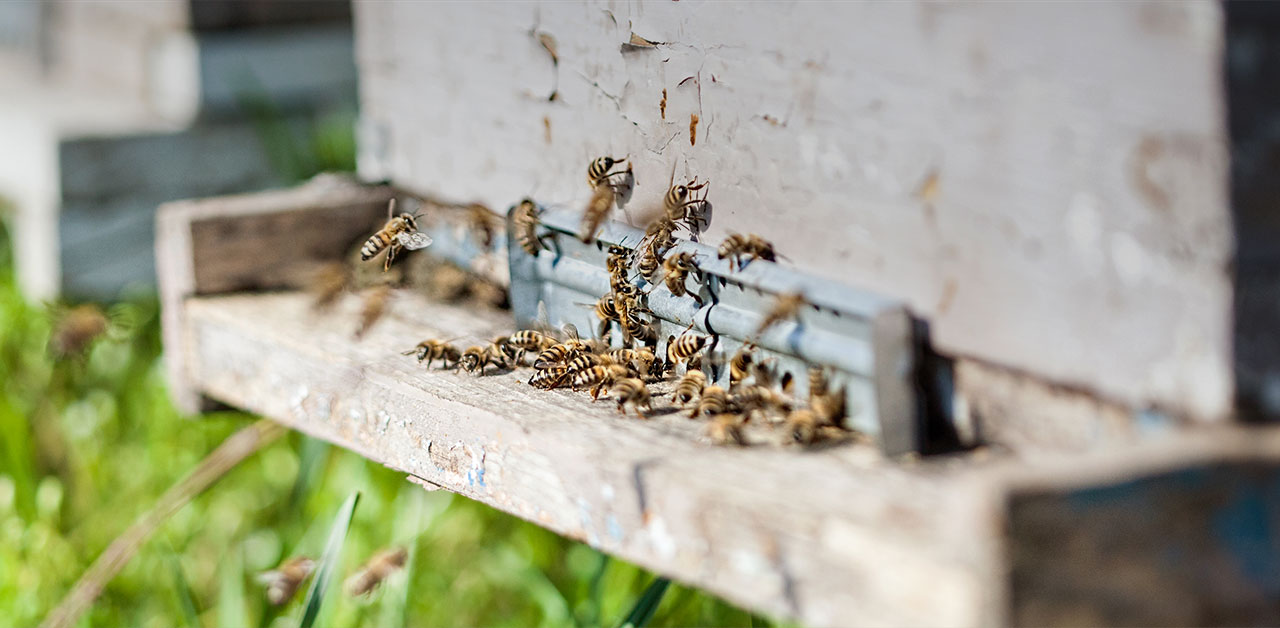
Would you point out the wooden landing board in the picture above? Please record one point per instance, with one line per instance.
(831, 537)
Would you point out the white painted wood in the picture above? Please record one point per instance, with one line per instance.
(1045, 182)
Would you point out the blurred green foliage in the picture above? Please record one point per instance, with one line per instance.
(88, 443)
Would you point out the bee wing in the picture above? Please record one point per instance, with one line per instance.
(414, 241)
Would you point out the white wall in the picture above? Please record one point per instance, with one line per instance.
(1046, 183)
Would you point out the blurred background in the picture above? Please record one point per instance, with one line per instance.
(109, 109)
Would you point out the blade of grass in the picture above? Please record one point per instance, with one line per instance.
(328, 562)
(230, 453)
(647, 605)
(310, 460)
(182, 591)
(595, 592)
(232, 607)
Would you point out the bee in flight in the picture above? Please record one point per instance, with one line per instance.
(283, 581)
(399, 232)
(377, 569)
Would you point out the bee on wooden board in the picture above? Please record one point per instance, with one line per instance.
(726, 429)
(375, 304)
(432, 350)
(525, 220)
(642, 360)
(752, 400)
(598, 378)
(531, 339)
(742, 249)
(375, 570)
(802, 425)
(631, 392)
(400, 232)
(283, 581)
(552, 377)
(713, 400)
(477, 357)
(689, 387)
(563, 351)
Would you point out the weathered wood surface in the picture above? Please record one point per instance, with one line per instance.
(1052, 203)
(262, 241)
(835, 536)
(838, 536)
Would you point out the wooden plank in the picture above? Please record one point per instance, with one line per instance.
(1041, 198)
(836, 536)
(268, 240)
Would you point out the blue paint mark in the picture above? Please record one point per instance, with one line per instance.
(480, 477)
(615, 530)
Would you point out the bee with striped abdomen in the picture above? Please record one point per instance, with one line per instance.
(432, 350)
(631, 392)
(525, 221)
(600, 170)
(650, 262)
(477, 357)
(740, 365)
(599, 377)
(676, 269)
(530, 340)
(713, 400)
(685, 347)
(642, 359)
(678, 201)
(827, 403)
(548, 378)
(750, 400)
(400, 232)
(690, 387)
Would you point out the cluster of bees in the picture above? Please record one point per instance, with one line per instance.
(283, 582)
(627, 373)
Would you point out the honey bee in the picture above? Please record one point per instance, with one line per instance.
(690, 387)
(642, 360)
(726, 429)
(78, 328)
(553, 377)
(684, 348)
(399, 232)
(631, 392)
(650, 262)
(328, 283)
(597, 209)
(827, 404)
(477, 357)
(740, 365)
(751, 400)
(482, 222)
(599, 378)
(714, 400)
(530, 340)
(635, 329)
(585, 361)
(525, 220)
(741, 249)
(677, 268)
(283, 581)
(374, 306)
(559, 353)
(677, 203)
(784, 307)
(599, 170)
(432, 350)
(375, 570)
(802, 425)
(658, 234)
(606, 310)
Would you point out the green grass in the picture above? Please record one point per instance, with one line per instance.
(87, 444)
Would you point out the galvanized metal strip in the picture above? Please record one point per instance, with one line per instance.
(867, 340)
